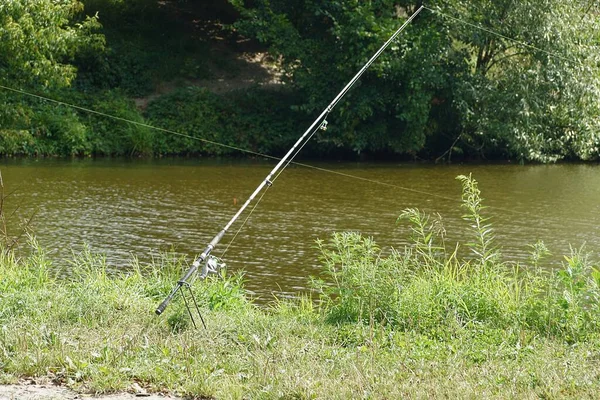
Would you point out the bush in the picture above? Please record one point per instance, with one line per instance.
(268, 121)
(59, 131)
(255, 119)
(33, 127)
(110, 136)
(38, 127)
(198, 115)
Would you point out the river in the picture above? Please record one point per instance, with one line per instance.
(125, 208)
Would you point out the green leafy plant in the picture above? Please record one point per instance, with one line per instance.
(480, 228)
(427, 235)
(365, 285)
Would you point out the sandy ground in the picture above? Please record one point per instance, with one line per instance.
(51, 392)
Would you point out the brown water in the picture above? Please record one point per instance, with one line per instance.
(125, 208)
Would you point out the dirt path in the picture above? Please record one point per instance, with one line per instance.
(252, 69)
(52, 392)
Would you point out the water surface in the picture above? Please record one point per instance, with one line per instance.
(124, 208)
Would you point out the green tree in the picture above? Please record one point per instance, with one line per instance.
(535, 97)
(38, 42)
(39, 38)
(322, 44)
(445, 85)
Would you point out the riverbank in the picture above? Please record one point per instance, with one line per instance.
(419, 323)
(97, 335)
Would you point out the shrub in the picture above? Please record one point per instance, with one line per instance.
(59, 131)
(39, 127)
(255, 119)
(117, 137)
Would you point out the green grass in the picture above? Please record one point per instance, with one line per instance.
(420, 323)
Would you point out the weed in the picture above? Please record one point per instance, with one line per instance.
(481, 230)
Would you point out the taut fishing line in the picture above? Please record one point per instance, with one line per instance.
(300, 164)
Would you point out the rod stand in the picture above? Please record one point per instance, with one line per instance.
(212, 265)
(195, 304)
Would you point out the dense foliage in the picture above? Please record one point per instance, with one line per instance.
(446, 83)
(475, 79)
(38, 42)
(248, 119)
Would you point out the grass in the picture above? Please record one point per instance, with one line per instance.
(420, 323)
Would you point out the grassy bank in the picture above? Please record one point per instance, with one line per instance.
(422, 322)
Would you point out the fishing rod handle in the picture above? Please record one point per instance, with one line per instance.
(161, 308)
(183, 281)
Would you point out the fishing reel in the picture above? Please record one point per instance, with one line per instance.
(212, 265)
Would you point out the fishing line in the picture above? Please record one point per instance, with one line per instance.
(442, 197)
(344, 91)
(245, 220)
(91, 111)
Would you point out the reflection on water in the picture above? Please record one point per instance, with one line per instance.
(125, 208)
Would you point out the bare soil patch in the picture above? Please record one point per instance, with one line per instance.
(250, 69)
(31, 391)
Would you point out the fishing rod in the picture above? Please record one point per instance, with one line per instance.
(211, 264)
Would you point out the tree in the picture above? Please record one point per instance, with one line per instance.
(322, 44)
(534, 97)
(38, 41)
(446, 84)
